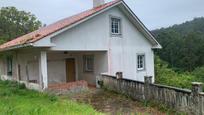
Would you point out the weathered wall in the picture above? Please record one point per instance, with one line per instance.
(100, 66)
(23, 59)
(57, 66)
(3, 68)
(182, 100)
(29, 65)
(28, 60)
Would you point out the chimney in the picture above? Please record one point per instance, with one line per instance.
(97, 3)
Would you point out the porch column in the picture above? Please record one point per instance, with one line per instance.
(43, 70)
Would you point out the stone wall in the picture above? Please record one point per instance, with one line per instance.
(182, 100)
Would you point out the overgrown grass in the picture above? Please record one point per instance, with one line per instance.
(162, 107)
(15, 99)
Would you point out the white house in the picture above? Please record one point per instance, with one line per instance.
(108, 38)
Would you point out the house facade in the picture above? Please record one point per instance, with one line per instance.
(106, 39)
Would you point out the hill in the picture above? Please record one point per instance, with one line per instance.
(183, 45)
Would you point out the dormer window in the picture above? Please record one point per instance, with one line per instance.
(115, 26)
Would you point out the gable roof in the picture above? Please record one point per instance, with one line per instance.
(45, 31)
(28, 39)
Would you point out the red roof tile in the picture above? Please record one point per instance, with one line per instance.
(45, 31)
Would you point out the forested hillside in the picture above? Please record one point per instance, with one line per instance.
(183, 45)
(181, 61)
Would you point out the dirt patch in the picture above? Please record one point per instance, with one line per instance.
(112, 103)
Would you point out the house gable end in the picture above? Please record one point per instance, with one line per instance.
(94, 34)
(127, 12)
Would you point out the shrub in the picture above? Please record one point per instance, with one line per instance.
(167, 76)
(53, 98)
(21, 86)
(199, 74)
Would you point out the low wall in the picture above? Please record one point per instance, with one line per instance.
(182, 100)
(32, 86)
(5, 77)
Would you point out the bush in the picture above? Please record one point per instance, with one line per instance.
(199, 74)
(21, 86)
(167, 76)
(53, 98)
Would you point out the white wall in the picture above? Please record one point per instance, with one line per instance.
(94, 34)
(123, 51)
(57, 66)
(29, 59)
(100, 66)
(56, 71)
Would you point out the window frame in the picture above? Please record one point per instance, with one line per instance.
(85, 63)
(9, 65)
(144, 62)
(119, 29)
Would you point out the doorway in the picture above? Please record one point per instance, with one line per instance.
(70, 70)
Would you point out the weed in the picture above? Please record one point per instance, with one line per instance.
(53, 98)
(16, 100)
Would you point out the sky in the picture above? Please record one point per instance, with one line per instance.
(153, 13)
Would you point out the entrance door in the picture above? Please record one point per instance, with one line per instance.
(70, 70)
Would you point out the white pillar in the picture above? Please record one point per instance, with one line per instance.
(43, 70)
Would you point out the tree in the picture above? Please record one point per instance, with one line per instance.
(182, 45)
(15, 23)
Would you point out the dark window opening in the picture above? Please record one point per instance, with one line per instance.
(9, 66)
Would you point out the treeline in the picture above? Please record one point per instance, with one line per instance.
(183, 45)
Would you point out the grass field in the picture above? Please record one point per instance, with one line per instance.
(15, 99)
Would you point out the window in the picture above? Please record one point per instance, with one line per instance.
(88, 63)
(9, 65)
(115, 26)
(140, 62)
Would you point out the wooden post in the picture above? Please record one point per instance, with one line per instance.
(43, 70)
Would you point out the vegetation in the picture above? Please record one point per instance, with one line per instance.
(167, 76)
(14, 23)
(182, 45)
(16, 100)
(181, 61)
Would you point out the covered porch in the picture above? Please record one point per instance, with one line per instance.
(52, 69)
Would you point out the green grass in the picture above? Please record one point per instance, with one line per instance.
(15, 99)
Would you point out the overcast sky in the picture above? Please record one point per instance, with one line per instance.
(153, 13)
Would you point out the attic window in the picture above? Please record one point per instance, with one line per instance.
(115, 26)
